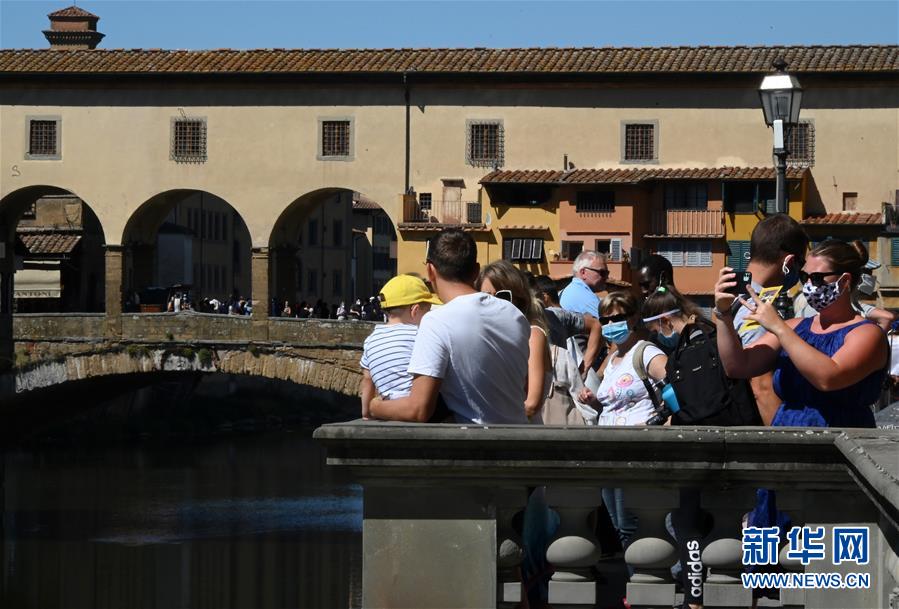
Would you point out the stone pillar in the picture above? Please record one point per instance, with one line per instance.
(574, 549)
(260, 285)
(428, 547)
(723, 553)
(114, 259)
(510, 548)
(651, 551)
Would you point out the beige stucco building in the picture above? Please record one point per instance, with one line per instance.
(278, 133)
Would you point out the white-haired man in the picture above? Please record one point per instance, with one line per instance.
(589, 273)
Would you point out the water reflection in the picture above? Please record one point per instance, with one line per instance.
(252, 521)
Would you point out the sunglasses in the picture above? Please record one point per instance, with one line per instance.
(613, 319)
(601, 272)
(817, 279)
(504, 295)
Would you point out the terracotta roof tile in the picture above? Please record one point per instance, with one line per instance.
(630, 175)
(608, 60)
(847, 218)
(364, 203)
(73, 11)
(49, 243)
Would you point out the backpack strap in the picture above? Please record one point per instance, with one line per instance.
(640, 369)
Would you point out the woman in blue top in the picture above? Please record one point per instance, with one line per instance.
(829, 368)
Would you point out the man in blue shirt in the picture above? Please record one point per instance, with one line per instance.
(589, 275)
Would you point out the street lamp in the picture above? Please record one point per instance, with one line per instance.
(781, 98)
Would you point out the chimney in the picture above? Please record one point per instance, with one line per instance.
(73, 29)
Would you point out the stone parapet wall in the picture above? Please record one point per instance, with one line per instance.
(64, 326)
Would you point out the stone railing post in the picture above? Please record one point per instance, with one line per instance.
(509, 546)
(651, 552)
(723, 552)
(260, 282)
(114, 263)
(574, 549)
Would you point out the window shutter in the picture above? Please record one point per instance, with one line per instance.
(770, 206)
(516, 249)
(705, 254)
(677, 253)
(739, 255)
(507, 249)
(692, 251)
(894, 251)
(615, 250)
(538, 249)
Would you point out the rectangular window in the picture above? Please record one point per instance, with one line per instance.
(424, 201)
(686, 195)
(738, 255)
(43, 138)
(313, 232)
(639, 142)
(189, 140)
(741, 197)
(338, 233)
(523, 249)
(571, 249)
(335, 138)
(686, 253)
(337, 283)
(800, 145)
(486, 145)
(850, 201)
(595, 202)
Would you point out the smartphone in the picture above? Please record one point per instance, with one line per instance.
(743, 279)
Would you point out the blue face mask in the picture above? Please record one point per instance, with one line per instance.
(616, 332)
(670, 341)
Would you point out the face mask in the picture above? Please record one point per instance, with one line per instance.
(668, 341)
(819, 298)
(616, 332)
(867, 285)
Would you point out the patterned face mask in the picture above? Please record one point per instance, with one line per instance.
(821, 297)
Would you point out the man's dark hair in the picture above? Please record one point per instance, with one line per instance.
(454, 256)
(775, 236)
(656, 266)
(546, 285)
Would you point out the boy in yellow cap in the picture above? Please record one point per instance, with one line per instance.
(386, 352)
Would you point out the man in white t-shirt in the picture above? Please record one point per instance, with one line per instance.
(473, 350)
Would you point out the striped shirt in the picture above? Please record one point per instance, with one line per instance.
(385, 354)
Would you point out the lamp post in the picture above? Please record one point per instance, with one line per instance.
(781, 98)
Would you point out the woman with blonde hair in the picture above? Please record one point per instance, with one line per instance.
(503, 280)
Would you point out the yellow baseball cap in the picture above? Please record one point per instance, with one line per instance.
(405, 290)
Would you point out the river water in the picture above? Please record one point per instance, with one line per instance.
(228, 521)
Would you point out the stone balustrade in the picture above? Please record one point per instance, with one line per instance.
(439, 502)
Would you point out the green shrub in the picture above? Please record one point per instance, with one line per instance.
(205, 357)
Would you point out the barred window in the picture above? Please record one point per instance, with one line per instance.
(686, 196)
(42, 140)
(640, 142)
(189, 140)
(335, 138)
(595, 202)
(523, 249)
(801, 145)
(424, 201)
(486, 145)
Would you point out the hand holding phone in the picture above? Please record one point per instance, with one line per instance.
(743, 279)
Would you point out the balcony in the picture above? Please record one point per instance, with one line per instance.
(442, 214)
(440, 502)
(687, 223)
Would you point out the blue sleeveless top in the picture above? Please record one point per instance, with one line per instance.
(805, 406)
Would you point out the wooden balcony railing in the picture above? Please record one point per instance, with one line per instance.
(688, 222)
(443, 212)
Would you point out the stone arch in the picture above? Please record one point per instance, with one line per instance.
(54, 242)
(188, 237)
(306, 247)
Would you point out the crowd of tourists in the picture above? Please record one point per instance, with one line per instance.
(368, 309)
(796, 348)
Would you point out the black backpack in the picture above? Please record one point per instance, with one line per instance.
(705, 394)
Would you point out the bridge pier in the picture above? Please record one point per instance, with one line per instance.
(114, 291)
(260, 297)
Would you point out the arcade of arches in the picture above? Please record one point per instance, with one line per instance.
(329, 246)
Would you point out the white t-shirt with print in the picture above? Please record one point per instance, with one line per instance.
(624, 396)
(478, 345)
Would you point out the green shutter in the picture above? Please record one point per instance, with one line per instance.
(894, 251)
(738, 255)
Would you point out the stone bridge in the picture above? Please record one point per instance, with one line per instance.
(53, 349)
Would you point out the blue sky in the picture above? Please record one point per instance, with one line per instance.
(209, 24)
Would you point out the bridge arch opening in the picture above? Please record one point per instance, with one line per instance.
(52, 253)
(186, 248)
(329, 246)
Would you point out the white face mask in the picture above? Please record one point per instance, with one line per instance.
(867, 285)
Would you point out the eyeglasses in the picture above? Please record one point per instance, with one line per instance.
(816, 278)
(613, 319)
(602, 272)
(504, 295)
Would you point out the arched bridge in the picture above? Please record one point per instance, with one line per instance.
(52, 349)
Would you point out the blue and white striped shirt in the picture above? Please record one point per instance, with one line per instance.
(385, 354)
